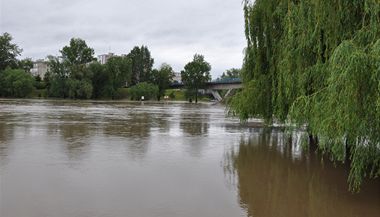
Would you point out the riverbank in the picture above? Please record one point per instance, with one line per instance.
(173, 95)
(106, 101)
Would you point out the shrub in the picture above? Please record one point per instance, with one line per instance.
(149, 91)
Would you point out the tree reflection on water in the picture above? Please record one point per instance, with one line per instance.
(275, 178)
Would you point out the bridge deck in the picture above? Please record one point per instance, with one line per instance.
(216, 85)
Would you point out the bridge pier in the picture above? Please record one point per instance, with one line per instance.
(228, 93)
(216, 95)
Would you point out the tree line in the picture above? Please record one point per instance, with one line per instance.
(316, 64)
(13, 79)
(76, 74)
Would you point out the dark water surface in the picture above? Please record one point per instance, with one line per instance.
(90, 159)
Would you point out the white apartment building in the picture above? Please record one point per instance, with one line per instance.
(40, 67)
(105, 57)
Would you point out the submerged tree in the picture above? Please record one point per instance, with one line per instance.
(195, 74)
(316, 63)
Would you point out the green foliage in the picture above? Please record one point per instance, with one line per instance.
(252, 90)
(231, 73)
(25, 64)
(178, 95)
(39, 83)
(58, 87)
(162, 78)
(118, 71)
(15, 79)
(109, 78)
(39, 93)
(69, 76)
(189, 94)
(38, 78)
(15, 83)
(149, 91)
(8, 52)
(316, 63)
(77, 52)
(76, 76)
(195, 74)
(79, 89)
(172, 95)
(121, 93)
(99, 79)
(142, 64)
(57, 77)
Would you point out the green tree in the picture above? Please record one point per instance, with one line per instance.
(77, 52)
(119, 70)
(109, 78)
(195, 74)
(39, 83)
(38, 78)
(99, 79)
(79, 89)
(8, 52)
(57, 77)
(25, 64)
(142, 64)
(15, 83)
(46, 80)
(69, 75)
(315, 63)
(231, 73)
(162, 78)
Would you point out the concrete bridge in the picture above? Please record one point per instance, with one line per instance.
(212, 87)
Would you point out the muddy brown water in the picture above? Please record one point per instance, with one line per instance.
(111, 159)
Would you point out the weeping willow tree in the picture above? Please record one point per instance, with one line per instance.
(316, 63)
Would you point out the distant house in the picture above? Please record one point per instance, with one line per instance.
(105, 57)
(40, 67)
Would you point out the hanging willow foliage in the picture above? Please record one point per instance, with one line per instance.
(317, 63)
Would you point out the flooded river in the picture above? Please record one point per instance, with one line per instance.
(116, 159)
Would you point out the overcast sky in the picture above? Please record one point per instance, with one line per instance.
(173, 30)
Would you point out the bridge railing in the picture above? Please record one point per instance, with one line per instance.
(216, 81)
(226, 81)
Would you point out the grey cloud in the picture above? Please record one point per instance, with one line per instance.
(173, 30)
